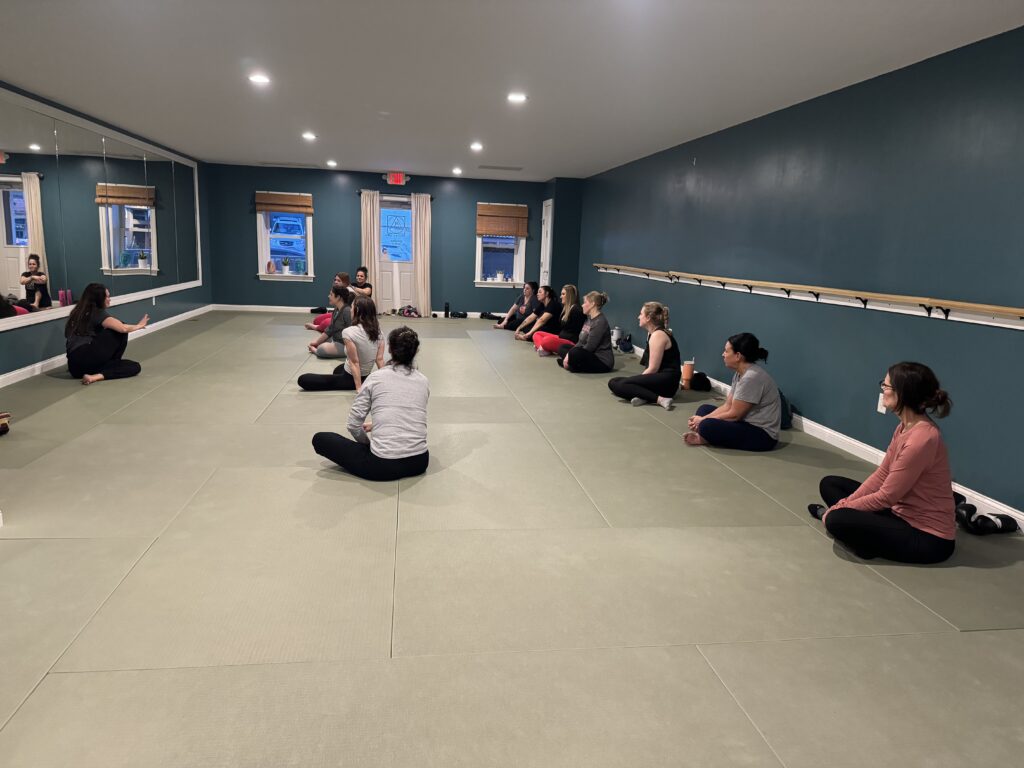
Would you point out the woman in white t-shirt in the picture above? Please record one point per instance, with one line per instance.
(364, 347)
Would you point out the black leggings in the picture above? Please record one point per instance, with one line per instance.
(881, 533)
(733, 434)
(103, 355)
(582, 361)
(647, 387)
(320, 382)
(358, 459)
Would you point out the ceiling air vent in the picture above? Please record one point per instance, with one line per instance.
(500, 167)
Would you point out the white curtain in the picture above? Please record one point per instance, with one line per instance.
(421, 250)
(34, 215)
(369, 203)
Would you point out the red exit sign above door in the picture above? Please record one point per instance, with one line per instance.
(397, 177)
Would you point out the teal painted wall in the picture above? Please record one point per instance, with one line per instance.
(908, 183)
(336, 233)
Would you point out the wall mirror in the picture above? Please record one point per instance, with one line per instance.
(95, 206)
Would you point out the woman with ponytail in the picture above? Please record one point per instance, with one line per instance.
(905, 510)
(592, 353)
(364, 348)
(96, 342)
(570, 322)
(660, 380)
(752, 414)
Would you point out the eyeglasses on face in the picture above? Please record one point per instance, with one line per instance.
(884, 387)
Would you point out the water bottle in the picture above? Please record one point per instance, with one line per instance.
(446, 312)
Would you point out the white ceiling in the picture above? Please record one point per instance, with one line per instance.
(393, 84)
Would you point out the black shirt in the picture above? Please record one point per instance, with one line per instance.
(554, 324)
(359, 295)
(94, 326)
(573, 324)
(42, 288)
(669, 358)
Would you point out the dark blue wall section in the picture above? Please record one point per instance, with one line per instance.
(337, 233)
(909, 183)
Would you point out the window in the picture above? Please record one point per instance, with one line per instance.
(501, 232)
(396, 230)
(284, 228)
(127, 229)
(15, 221)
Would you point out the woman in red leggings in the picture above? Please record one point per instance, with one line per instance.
(572, 321)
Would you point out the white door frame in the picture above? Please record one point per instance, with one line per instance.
(547, 226)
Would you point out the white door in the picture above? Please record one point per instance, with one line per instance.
(547, 223)
(396, 267)
(12, 257)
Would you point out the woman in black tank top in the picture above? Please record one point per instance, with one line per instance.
(659, 381)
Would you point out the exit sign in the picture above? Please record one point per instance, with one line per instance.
(397, 177)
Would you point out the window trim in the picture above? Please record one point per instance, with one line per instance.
(518, 266)
(263, 251)
(106, 254)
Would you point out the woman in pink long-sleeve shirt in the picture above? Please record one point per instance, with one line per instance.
(905, 510)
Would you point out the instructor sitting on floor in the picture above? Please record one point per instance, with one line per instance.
(394, 443)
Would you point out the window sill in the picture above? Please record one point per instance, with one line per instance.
(132, 271)
(287, 278)
(496, 284)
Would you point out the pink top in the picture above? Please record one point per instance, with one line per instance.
(913, 481)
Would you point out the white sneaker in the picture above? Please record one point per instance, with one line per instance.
(666, 403)
(638, 401)
(544, 352)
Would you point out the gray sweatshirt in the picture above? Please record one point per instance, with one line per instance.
(395, 398)
(596, 337)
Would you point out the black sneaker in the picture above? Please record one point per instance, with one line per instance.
(816, 510)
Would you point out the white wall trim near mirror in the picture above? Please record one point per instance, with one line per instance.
(71, 140)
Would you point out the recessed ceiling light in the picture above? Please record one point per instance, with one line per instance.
(476, 146)
(457, 171)
(258, 78)
(34, 147)
(332, 163)
(516, 97)
(309, 136)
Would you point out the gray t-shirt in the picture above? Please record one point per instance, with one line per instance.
(340, 320)
(395, 398)
(756, 386)
(596, 337)
(366, 349)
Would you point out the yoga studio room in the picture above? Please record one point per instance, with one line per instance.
(548, 384)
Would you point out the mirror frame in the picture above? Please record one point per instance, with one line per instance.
(21, 98)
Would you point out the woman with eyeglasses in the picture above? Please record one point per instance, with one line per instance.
(905, 510)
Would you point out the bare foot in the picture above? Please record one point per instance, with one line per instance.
(692, 438)
(310, 327)
(92, 378)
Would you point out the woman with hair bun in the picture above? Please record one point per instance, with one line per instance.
(394, 442)
(905, 510)
(592, 353)
(660, 380)
(752, 414)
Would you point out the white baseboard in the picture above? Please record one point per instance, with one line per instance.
(50, 364)
(874, 456)
(256, 308)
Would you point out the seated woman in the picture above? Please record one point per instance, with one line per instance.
(547, 316)
(323, 315)
(660, 380)
(752, 414)
(364, 348)
(905, 510)
(394, 444)
(37, 293)
(96, 342)
(330, 343)
(592, 353)
(571, 322)
(360, 286)
(521, 308)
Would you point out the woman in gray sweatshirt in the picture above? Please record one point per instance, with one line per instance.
(593, 352)
(330, 343)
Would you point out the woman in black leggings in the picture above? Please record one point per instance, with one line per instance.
(96, 342)
(394, 444)
(593, 352)
(660, 380)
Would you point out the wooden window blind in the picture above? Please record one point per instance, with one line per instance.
(125, 194)
(284, 202)
(495, 219)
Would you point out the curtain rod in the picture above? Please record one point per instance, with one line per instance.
(359, 193)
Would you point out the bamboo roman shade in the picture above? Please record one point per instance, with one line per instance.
(494, 219)
(284, 202)
(125, 194)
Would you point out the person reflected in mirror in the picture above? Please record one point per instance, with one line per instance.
(523, 307)
(547, 317)
(570, 322)
(905, 510)
(5, 423)
(96, 341)
(37, 290)
(388, 419)
(330, 343)
(659, 381)
(592, 353)
(360, 286)
(751, 416)
(364, 348)
(323, 314)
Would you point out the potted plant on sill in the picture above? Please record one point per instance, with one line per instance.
(285, 266)
(143, 260)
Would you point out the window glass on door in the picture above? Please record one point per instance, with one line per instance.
(396, 234)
